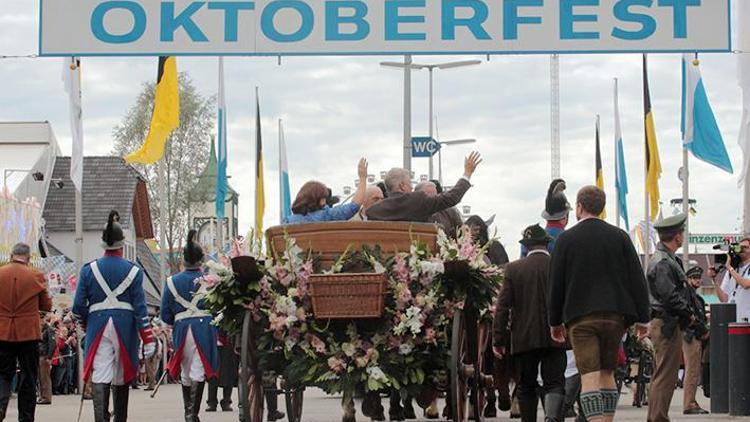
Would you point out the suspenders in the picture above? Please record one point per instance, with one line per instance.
(111, 301)
(191, 308)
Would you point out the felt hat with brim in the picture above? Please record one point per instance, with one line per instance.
(670, 224)
(535, 235)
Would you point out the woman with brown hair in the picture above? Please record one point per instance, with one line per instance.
(311, 203)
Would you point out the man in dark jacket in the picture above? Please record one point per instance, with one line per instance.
(597, 289)
(46, 350)
(402, 204)
(671, 314)
(521, 314)
(450, 218)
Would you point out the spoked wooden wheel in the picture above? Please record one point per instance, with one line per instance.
(251, 379)
(458, 370)
(468, 383)
(294, 399)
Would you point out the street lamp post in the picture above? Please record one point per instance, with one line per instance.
(430, 67)
(440, 153)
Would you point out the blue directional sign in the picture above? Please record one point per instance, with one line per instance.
(424, 146)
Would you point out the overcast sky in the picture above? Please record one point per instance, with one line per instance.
(339, 109)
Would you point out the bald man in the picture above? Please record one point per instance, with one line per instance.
(448, 219)
(373, 195)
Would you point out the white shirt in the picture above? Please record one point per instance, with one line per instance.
(738, 294)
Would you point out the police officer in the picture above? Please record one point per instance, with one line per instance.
(196, 357)
(111, 304)
(671, 314)
(693, 343)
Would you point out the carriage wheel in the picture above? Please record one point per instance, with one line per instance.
(294, 398)
(457, 369)
(251, 380)
(475, 341)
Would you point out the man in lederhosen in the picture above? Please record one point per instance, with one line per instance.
(110, 302)
(195, 358)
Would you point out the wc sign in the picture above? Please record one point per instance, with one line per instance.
(424, 147)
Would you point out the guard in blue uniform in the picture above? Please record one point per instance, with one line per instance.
(196, 357)
(111, 305)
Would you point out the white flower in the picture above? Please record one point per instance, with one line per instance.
(432, 268)
(376, 374)
(348, 349)
(405, 348)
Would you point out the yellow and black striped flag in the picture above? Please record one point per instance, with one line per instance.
(599, 171)
(260, 196)
(166, 115)
(653, 163)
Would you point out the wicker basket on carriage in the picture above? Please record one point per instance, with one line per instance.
(348, 295)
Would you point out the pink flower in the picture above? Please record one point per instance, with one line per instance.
(429, 335)
(468, 249)
(210, 280)
(401, 269)
(317, 344)
(276, 323)
(301, 315)
(337, 365)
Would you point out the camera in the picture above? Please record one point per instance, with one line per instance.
(733, 249)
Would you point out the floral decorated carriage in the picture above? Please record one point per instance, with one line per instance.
(353, 306)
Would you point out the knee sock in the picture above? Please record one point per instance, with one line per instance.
(609, 402)
(592, 404)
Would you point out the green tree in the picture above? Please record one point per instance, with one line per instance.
(186, 151)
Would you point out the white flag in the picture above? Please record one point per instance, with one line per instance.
(72, 79)
(743, 62)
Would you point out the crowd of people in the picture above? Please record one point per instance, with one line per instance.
(561, 316)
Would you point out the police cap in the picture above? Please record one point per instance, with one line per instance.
(671, 224)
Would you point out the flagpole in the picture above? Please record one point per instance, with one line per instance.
(162, 171)
(79, 212)
(281, 176)
(686, 207)
(646, 208)
(617, 167)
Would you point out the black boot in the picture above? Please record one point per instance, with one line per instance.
(101, 402)
(120, 402)
(371, 406)
(4, 397)
(572, 391)
(528, 406)
(553, 407)
(213, 400)
(395, 411)
(490, 410)
(196, 391)
(226, 401)
(706, 380)
(187, 400)
(409, 408)
(272, 403)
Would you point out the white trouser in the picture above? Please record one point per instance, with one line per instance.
(107, 366)
(192, 366)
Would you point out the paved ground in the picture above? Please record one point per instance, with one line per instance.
(167, 405)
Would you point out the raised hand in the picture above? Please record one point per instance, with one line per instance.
(362, 169)
(471, 162)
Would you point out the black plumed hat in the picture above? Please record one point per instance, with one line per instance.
(556, 205)
(192, 253)
(112, 235)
